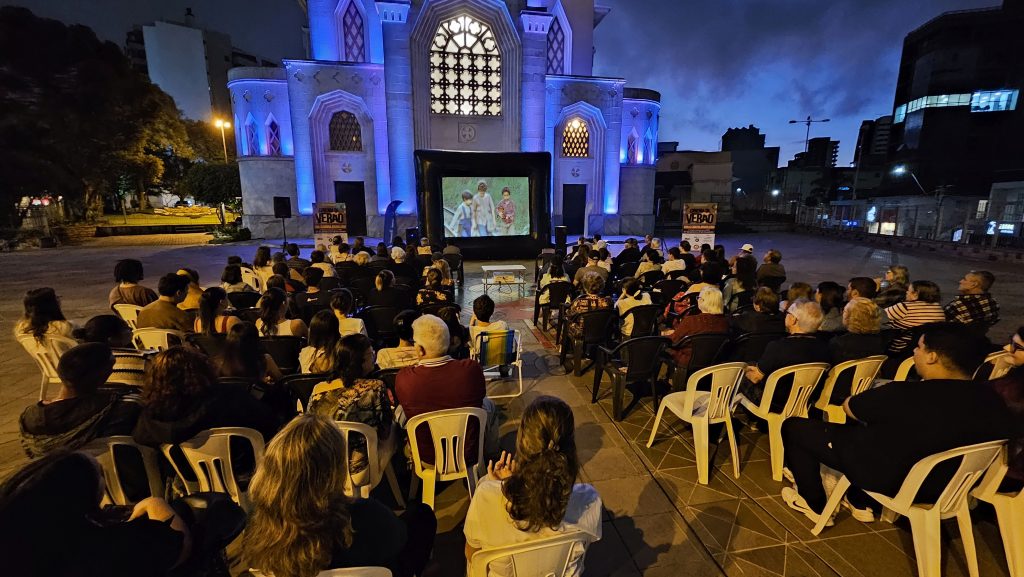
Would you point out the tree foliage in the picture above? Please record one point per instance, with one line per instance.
(76, 117)
(212, 184)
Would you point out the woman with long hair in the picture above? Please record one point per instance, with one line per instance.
(302, 523)
(536, 494)
(273, 321)
(830, 296)
(384, 292)
(231, 280)
(554, 273)
(262, 264)
(433, 291)
(632, 296)
(43, 317)
(243, 358)
(743, 281)
(323, 338)
(128, 291)
(212, 319)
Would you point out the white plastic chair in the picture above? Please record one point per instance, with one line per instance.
(492, 351)
(251, 278)
(348, 572)
(999, 370)
(448, 431)
(549, 557)
(1009, 512)
(805, 378)
(702, 408)
(925, 518)
(378, 457)
(864, 372)
(46, 354)
(904, 369)
(156, 339)
(128, 313)
(209, 455)
(103, 449)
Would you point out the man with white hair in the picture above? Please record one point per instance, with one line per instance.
(803, 318)
(439, 382)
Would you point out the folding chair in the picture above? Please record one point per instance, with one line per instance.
(558, 292)
(863, 375)
(284, 350)
(378, 459)
(253, 279)
(599, 328)
(300, 387)
(706, 350)
(448, 431)
(46, 355)
(634, 361)
(500, 349)
(645, 320)
(128, 313)
(1009, 512)
(380, 322)
(209, 456)
(548, 557)
(106, 451)
(157, 339)
(749, 348)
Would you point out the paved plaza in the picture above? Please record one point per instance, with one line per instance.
(658, 520)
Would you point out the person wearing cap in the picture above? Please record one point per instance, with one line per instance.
(746, 251)
(79, 413)
(593, 265)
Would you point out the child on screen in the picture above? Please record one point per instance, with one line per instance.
(483, 212)
(462, 221)
(506, 213)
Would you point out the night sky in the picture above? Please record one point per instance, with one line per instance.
(717, 63)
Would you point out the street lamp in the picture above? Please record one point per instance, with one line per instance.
(809, 121)
(222, 125)
(775, 192)
(901, 169)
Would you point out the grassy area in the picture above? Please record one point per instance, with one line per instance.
(151, 219)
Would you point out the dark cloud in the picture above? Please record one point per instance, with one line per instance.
(722, 63)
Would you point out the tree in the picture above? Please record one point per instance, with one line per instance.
(76, 116)
(213, 184)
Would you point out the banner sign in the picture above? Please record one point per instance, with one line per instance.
(699, 220)
(330, 220)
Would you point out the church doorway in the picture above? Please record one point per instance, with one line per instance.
(574, 207)
(353, 194)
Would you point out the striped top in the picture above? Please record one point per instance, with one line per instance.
(910, 314)
(129, 367)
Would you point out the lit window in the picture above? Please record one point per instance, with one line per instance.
(994, 100)
(252, 140)
(556, 48)
(900, 114)
(273, 139)
(982, 209)
(346, 135)
(465, 69)
(576, 139)
(355, 42)
(990, 101)
(631, 150)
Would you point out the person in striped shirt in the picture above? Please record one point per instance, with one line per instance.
(129, 363)
(920, 308)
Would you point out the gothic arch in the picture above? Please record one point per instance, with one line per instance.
(598, 130)
(341, 15)
(558, 11)
(323, 109)
(272, 135)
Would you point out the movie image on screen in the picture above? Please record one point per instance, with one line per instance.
(486, 206)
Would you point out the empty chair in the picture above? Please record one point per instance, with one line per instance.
(253, 279)
(645, 320)
(209, 456)
(599, 328)
(705, 350)
(211, 345)
(548, 557)
(862, 373)
(557, 292)
(906, 371)
(300, 387)
(703, 408)
(455, 264)
(749, 348)
(925, 518)
(380, 322)
(667, 288)
(244, 299)
(378, 459)
(107, 451)
(500, 349)
(1009, 512)
(805, 379)
(448, 430)
(128, 313)
(46, 354)
(284, 350)
(634, 361)
(650, 278)
(157, 339)
(436, 308)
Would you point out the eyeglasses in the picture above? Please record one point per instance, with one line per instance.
(1014, 347)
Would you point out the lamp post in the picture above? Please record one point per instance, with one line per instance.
(222, 125)
(807, 141)
(900, 170)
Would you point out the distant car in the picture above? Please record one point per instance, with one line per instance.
(180, 204)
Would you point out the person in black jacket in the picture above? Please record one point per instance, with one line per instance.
(631, 253)
(765, 318)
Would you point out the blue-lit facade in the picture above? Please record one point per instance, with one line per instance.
(388, 78)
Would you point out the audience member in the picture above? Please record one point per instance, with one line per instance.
(803, 318)
(384, 293)
(231, 280)
(771, 267)
(318, 260)
(554, 273)
(301, 522)
(294, 261)
(183, 398)
(433, 292)
(746, 252)
(237, 260)
(457, 332)
(359, 245)
(590, 300)
(164, 313)
(292, 284)
(56, 499)
(795, 292)
(313, 299)
(629, 253)
(273, 321)
(715, 265)
(710, 320)
(439, 382)
(79, 413)
(974, 305)
(213, 318)
(861, 287)
(195, 292)
(480, 322)
(437, 261)
(591, 267)
(863, 321)
(43, 317)
(535, 495)
(632, 296)
(878, 451)
(686, 256)
(401, 267)
(129, 362)
(341, 304)
(830, 297)
(892, 288)
(738, 290)
(381, 254)
(261, 264)
(340, 251)
(324, 335)
(405, 354)
(128, 291)
(1011, 388)
(450, 248)
(675, 261)
(604, 259)
(921, 306)
(651, 261)
(243, 358)
(764, 318)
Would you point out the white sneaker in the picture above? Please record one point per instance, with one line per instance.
(798, 503)
(865, 515)
(788, 475)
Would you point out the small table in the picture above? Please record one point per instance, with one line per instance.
(503, 275)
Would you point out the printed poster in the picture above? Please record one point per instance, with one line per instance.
(330, 220)
(699, 220)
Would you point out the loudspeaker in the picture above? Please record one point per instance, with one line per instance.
(561, 234)
(282, 207)
(412, 236)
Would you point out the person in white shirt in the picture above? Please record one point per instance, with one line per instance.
(341, 304)
(317, 258)
(604, 258)
(675, 261)
(632, 296)
(324, 335)
(535, 495)
(405, 354)
(555, 273)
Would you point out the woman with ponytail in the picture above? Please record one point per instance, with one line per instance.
(632, 296)
(273, 321)
(534, 495)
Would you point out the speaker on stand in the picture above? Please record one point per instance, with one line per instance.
(561, 235)
(283, 210)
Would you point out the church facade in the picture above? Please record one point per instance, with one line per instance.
(388, 78)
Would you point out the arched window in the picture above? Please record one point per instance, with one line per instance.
(354, 33)
(273, 138)
(465, 69)
(631, 149)
(648, 149)
(576, 139)
(556, 47)
(252, 139)
(346, 135)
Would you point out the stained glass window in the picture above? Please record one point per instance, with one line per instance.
(648, 149)
(273, 139)
(576, 139)
(465, 69)
(355, 42)
(252, 140)
(556, 47)
(346, 135)
(631, 149)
